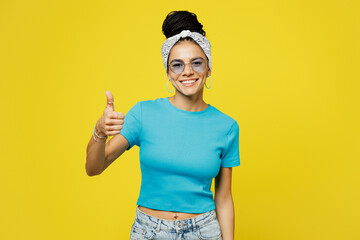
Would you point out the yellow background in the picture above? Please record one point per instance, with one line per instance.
(287, 71)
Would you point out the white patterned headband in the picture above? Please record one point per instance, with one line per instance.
(199, 38)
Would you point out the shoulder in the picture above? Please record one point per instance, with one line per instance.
(152, 103)
(224, 118)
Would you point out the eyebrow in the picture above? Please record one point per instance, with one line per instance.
(180, 60)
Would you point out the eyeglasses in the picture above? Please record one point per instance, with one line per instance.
(198, 65)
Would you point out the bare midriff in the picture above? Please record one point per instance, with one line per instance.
(167, 215)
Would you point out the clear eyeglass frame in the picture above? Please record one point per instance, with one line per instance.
(197, 65)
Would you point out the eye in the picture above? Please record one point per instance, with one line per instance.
(197, 63)
(176, 65)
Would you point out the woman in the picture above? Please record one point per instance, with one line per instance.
(184, 144)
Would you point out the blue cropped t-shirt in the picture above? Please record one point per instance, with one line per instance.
(180, 153)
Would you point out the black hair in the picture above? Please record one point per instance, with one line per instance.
(176, 21)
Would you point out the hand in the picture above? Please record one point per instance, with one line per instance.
(111, 122)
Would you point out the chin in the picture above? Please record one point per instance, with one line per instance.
(190, 92)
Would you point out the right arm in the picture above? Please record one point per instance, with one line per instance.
(100, 154)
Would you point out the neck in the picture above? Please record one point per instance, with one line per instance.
(194, 103)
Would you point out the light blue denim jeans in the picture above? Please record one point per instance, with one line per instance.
(204, 226)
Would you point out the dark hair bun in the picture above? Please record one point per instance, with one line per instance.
(176, 21)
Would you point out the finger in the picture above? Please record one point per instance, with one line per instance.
(116, 115)
(110, 100)
(114, 121)
(113, 128)
(112, 133)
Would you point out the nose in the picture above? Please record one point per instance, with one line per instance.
(188, 69)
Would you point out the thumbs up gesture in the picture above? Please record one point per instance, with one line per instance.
(111, 122)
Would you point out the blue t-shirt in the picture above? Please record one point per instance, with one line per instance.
(180, 153)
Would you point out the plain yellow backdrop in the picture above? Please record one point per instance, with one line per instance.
(287, 71)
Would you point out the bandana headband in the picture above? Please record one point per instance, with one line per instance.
(199, 39)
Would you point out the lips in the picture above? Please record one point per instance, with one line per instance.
(183, 82)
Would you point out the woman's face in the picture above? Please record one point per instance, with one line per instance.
(190, 57)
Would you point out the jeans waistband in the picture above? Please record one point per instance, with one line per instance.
(169, 225)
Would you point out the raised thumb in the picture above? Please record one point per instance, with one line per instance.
(110, 100)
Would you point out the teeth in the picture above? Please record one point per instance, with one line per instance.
(190, 81)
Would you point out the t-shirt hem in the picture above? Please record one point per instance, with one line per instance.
(232, 163)
(129, 139)
(185, 210)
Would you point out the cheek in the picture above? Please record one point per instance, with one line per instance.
(170, 76)
(173, 77)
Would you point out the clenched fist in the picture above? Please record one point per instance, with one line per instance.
(111, 122)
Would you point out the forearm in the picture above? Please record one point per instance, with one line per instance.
(226, 216)
(95, 156)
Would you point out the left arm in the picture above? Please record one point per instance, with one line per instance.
(224, 203)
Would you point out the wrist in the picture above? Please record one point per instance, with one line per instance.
(99, 133)
(98, 140)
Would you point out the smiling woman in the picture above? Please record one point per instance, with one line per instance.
(184, 144)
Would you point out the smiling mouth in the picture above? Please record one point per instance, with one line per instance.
(189, 83)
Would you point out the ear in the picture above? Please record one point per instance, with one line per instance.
(209, 72)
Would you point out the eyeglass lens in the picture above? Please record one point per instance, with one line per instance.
(177, 66)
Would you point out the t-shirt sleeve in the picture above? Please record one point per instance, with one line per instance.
(231, 156)
(132, 126)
